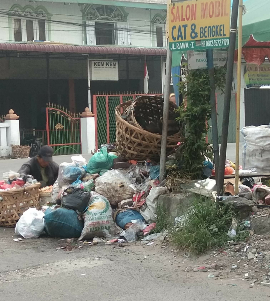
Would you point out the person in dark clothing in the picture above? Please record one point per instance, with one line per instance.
(41, 167)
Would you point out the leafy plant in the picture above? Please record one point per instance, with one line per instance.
(196, 90)
(205, 226)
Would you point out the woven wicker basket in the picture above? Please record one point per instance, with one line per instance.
(15, 202)
(135, 143)
(20, 151)
(147, 114)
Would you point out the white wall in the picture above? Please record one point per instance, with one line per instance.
(138, 21)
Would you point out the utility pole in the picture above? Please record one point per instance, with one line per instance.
(239, 73)
(163, 151)
(227, 98)
(211, 72)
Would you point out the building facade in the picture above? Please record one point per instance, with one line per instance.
(46, 46)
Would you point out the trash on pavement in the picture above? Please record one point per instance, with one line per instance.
(124, 219)
(148, 210)
(100, 161)
(98, 219)
(63, 223)
(114, 186)
(131, 233)
(76, 199)
(30, 224)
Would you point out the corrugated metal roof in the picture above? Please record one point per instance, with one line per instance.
(64, 48)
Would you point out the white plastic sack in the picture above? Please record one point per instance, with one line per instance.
(256, 153)
(79, 160)
(30, 224)
(114, 186)
(98, 221)
(148, 211)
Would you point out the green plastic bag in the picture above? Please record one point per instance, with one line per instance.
(100, 161)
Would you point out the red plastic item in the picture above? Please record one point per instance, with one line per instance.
(5, 186)
(18, 182)
(228, 171)
(149, 228)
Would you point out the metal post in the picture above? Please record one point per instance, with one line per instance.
(89, 84)
(165, 113)
(239, 73)
(48, 78)
(211, 71)
(227, 98)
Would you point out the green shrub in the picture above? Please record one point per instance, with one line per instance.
(206, 226)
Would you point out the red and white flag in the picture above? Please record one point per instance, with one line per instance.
(146, 78)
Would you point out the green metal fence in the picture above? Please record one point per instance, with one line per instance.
(104, 110)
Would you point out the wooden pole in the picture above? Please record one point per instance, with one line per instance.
(227, 98)
(239, 74)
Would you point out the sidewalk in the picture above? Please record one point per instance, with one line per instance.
(15, 164)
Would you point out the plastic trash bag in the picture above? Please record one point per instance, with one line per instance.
(126, 217)
(76, 199)
(114, 186)
(79, 160)
(63, 223)
(131, 234)
(148, 210)
(100, 161)
(69, 173)
(98, 221)
(30, 224)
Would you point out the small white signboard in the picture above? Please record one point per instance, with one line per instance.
(104, 70)
(198, 60)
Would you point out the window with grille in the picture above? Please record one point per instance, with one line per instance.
(159, 36)
(42, 30)
(17, 30)
(30, 30)
(105, 33)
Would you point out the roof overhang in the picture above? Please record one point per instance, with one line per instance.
(137, 4)
(66, 48)
(255, 52)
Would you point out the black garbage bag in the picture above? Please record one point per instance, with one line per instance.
(76, 199)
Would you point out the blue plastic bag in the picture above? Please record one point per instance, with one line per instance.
(127, 217)
(154, 172)
(100, 161)
(63, 223)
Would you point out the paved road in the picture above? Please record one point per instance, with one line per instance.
(36, 270)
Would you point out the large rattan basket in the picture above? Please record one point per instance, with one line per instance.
(133, 142)
(13, 203)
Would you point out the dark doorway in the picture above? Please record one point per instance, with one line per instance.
(257, 107)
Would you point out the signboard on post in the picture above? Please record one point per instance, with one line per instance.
(256, 76)
(198, 60)
(104, 70)
(198, 25)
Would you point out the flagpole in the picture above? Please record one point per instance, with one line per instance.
(166, 103)
(239, 73)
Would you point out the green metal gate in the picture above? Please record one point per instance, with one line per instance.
(63, 130)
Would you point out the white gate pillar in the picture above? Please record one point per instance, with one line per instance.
(88, 132)
(13, 130)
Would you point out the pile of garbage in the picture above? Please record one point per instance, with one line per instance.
(107, 197)
(12, 181)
